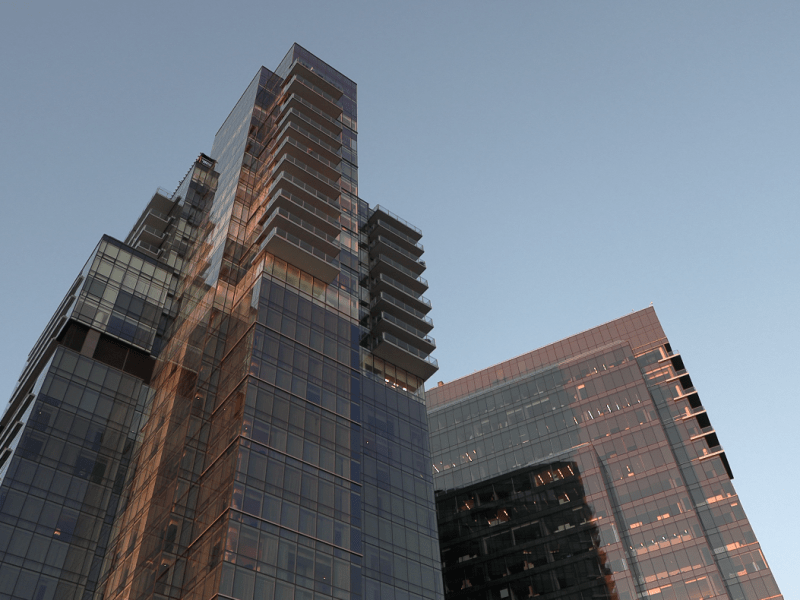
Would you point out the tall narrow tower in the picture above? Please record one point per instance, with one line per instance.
(274, 439)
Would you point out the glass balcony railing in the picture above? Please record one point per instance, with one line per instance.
(310, 84)
(406, 327)
(325, 117)
(307, 134)
(379, 208)
(334, 136)
(334, 85)
(282, 212)
(306, 188)
(152, 231)
(278, 232)
(406, 238)
(406, 290)
(305, 168)
(410, 349)
(307, 206)
(399, 267)
(148, 247)
(388, 298)
(307, 152)
(382, 240)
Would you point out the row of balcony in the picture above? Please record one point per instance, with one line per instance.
(397, 318)
(300, 223)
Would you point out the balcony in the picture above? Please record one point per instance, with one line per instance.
(305, 153)
(380, 227)
(384, 302)
(382, 245)
(399, 223)
(329, 148)
(291, 223)
(313, 94)
(306, 192)
(311, 177)
(312, 112)
(148, 249)
(300, 67)
(403, 355)
(155, 219)
(305, 210)
(149, 234)
(301, 254)
(385, 322)
(385, 265)
(384, 283)
(332, 138)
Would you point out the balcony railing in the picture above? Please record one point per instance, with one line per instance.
(316, 175)
(301, 254)
(327, 81)
(291, 111)
(388, 298)
(404, 289)
(394, 231)
(306, 188)
(308, 227)
(306, 151)
(379, 208)
(325, 117)
(399, 267)
(397, 248)
(307, 206)
(304, 132)
(405, 326)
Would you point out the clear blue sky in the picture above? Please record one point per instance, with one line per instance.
(567, 162)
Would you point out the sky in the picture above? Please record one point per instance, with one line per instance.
(568, 163)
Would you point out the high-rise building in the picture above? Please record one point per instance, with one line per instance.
(230, 402)
(589, 469)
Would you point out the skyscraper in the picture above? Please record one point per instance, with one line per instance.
(589, 469)
(231, 400)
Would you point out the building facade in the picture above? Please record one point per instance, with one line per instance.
(589, 469)
(230, 403)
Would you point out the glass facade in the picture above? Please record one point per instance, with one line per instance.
(230, 403)
(609, 425)
(70, 430)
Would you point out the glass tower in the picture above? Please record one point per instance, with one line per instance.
(589, 469)
(230, 403)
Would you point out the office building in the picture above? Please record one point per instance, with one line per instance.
(589, 469)
(230, 402)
